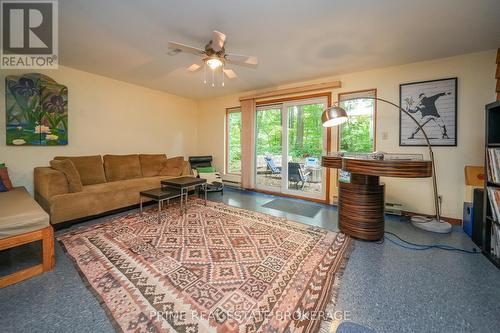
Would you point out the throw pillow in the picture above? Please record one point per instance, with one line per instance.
(4, 176)
(2, 187)
(151, 164)
(68, 168)
(205, 169)
(173, 167)
(2, 165)
(90, 168)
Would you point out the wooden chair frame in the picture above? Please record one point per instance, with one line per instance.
(46, 235)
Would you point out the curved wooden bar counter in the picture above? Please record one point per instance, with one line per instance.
(361, 202)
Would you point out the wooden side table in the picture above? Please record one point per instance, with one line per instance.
(361, 202)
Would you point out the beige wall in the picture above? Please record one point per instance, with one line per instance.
(476, 85)
(107, 116)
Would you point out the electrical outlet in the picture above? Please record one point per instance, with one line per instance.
(385, 135)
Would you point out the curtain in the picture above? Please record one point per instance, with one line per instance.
(247, 143)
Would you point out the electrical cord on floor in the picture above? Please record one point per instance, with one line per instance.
(423, 247)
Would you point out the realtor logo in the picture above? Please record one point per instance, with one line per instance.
(29, 34)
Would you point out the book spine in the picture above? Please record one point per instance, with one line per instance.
(490, 166)
(496, 165)
(493, 203)
(496, 203)
(493, 173)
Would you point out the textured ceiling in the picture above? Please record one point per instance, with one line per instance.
(293, 39)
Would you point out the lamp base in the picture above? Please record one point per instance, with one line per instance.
(431, 224)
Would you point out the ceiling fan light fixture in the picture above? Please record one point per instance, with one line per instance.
(213, 57)
(214, 63)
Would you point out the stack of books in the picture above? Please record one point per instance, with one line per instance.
(494, 165)
(494, 199)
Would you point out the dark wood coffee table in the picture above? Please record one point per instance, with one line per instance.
(160, 195)
(182, 184)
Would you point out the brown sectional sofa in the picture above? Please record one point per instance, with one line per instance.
(108, 183)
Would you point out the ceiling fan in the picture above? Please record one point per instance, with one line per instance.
(214, 56)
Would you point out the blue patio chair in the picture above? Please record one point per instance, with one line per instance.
(274, 170)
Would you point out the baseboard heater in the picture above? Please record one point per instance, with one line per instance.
(393, 208)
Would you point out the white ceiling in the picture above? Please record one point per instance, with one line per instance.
(293, 39)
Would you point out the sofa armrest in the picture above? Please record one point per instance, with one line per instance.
(49, 182)
(186, 170)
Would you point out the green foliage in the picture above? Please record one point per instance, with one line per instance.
(268, 137)
(305, 131)
(234, 125)
(356, 134)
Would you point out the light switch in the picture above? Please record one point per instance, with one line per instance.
(385, 135)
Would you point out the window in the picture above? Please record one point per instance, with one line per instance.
(358, 133)
(233, 140)
(289, 143)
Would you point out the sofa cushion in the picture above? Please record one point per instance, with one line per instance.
(174, 167)
(90, 168)
(151, 164)
(100, 198)
(20, 213)
(68, 168)
(4, 175)
(121, 167)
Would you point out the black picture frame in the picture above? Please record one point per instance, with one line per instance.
(450, 126)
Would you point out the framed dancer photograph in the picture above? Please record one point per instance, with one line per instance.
(434, 105)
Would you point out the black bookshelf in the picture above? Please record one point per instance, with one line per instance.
(492, 140)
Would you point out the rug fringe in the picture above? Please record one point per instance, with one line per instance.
(327, 325)
(91, 289)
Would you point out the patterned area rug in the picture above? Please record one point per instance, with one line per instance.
(216, 269)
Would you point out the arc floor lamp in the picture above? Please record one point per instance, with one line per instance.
(336, 115)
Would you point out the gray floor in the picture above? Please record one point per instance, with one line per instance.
(384, 287)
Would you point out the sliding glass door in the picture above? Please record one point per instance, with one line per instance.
(290, 141)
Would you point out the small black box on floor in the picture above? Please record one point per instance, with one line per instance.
(477, 223)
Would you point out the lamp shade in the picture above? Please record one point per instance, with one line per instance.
(334, 116)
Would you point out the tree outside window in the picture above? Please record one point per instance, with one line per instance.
(357, 134)
(233, 158)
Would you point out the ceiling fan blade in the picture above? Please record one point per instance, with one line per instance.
(230, 73)
(218, 40)
(193, 68)
(241, 60)
(185, 48)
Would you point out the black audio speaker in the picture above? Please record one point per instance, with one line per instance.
(477, 225)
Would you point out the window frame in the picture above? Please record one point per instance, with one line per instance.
(374, 91)
(235, 109)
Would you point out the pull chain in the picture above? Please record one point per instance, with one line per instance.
(205, 73)
(222, 75)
